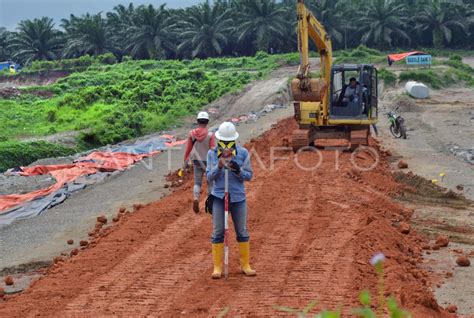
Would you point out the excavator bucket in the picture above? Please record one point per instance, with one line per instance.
(308, 90)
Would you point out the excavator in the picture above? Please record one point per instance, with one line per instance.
(327, 106)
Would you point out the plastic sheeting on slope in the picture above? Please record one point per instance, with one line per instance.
(16, 206)
(67, 173)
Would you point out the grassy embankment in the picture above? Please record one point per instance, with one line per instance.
(444, 72)
(110, 102)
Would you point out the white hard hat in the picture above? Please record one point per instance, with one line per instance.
(203, 115)
(227, 132)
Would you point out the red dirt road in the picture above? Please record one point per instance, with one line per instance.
(312, 234)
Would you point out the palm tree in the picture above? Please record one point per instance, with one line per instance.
(35, 40)
(333, 15)
(261, 22)
(118, 22)
(122, 16)
(4, 37)
(441, 19)
(150, 35)
(87, 34)
(470, 20)
(383, 22)
(205, 30)
(288, 41)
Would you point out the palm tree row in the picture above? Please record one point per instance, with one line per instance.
(240, 27)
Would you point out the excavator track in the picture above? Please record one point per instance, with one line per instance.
(360, 137)
(300, 139)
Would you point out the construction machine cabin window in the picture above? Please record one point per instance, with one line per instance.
(351, 92)
(374, 95)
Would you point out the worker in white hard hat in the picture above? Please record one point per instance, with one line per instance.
(228, 155)
(200, 140)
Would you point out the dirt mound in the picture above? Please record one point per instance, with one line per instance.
(9, 92)
(406, 104)
(422, 189)
(43, 93)
(315, 221)
(179, 177)
(37, 79)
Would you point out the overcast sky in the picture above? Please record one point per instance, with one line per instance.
(13, 11)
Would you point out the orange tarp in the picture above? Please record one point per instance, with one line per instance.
(104, 161)
(400, 56)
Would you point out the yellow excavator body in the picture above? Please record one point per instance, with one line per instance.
(320, 108)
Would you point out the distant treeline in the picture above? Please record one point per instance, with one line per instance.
(240, 28)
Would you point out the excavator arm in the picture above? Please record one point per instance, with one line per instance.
(310, 27)
(304, 87)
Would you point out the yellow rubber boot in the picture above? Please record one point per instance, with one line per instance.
(217, 254)
(244, 250)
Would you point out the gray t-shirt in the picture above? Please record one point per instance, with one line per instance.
(351, 91)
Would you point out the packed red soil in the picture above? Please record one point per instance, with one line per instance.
(312, 236)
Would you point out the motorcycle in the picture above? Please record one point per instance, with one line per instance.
(397, 124)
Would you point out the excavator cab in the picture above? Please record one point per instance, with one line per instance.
(359, 102)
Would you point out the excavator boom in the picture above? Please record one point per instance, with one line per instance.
(304, 87)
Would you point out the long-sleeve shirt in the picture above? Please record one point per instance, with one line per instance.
(236, 180)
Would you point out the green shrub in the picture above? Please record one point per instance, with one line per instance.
(389, 78)
(43, 65)
(52, 116)
(454, 75)
(458, 64)
(455, 57)
(14, 153)
(260, 55)
(360, 55)
(84, 61)
(107, 58)
(426, 76)
(118, 125)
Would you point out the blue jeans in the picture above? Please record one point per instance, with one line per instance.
(238, 211)
(199, 172)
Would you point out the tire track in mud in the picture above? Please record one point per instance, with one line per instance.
(145, 278)
(312, 235)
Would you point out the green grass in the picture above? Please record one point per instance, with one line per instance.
(446, 52)
(437, 78)
(360, 55)
(427, 76)
(389, 78)
(14, 153)
(113, 102)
